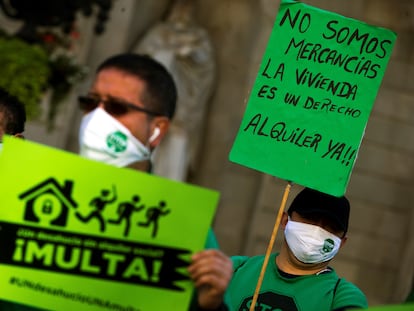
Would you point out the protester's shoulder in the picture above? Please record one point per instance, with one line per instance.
(347, 292)
(239, 261)
(347, 286)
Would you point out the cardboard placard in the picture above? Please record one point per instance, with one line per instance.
(312, 97)
(76, 234)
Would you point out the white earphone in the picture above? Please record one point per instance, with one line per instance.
(154, 134)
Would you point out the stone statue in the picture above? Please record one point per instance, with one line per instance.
(185, 49)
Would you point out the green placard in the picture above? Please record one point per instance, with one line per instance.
(402, 307)
(81, 235)
(312, 97)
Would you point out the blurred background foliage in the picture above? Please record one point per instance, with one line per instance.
(40, 56)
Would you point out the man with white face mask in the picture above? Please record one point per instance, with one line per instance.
(127, 113)
(299, 277)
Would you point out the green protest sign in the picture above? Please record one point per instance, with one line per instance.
(402, 307)
(81, 235)
(312, 97)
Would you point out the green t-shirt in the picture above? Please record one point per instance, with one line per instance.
(323, 292)
(410, 297)
(211, 241)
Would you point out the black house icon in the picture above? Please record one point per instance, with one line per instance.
(49, 202)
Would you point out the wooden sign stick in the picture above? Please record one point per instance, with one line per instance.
(270, 245)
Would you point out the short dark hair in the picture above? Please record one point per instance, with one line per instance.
(14, 113)
(310, 201)
(161, 92)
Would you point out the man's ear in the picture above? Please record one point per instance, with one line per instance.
(343, 240)
(159, 129)
(155, 134)
(284, 220)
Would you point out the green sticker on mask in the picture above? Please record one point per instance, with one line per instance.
(328, 246)
(117, 141)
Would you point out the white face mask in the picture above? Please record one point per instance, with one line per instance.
(103, 138)
(310, 243)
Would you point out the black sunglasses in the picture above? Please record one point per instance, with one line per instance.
(112, 106)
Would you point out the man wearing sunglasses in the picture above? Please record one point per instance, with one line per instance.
(136, 99)
(127, 113)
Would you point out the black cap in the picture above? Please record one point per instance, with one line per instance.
(311, 201)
